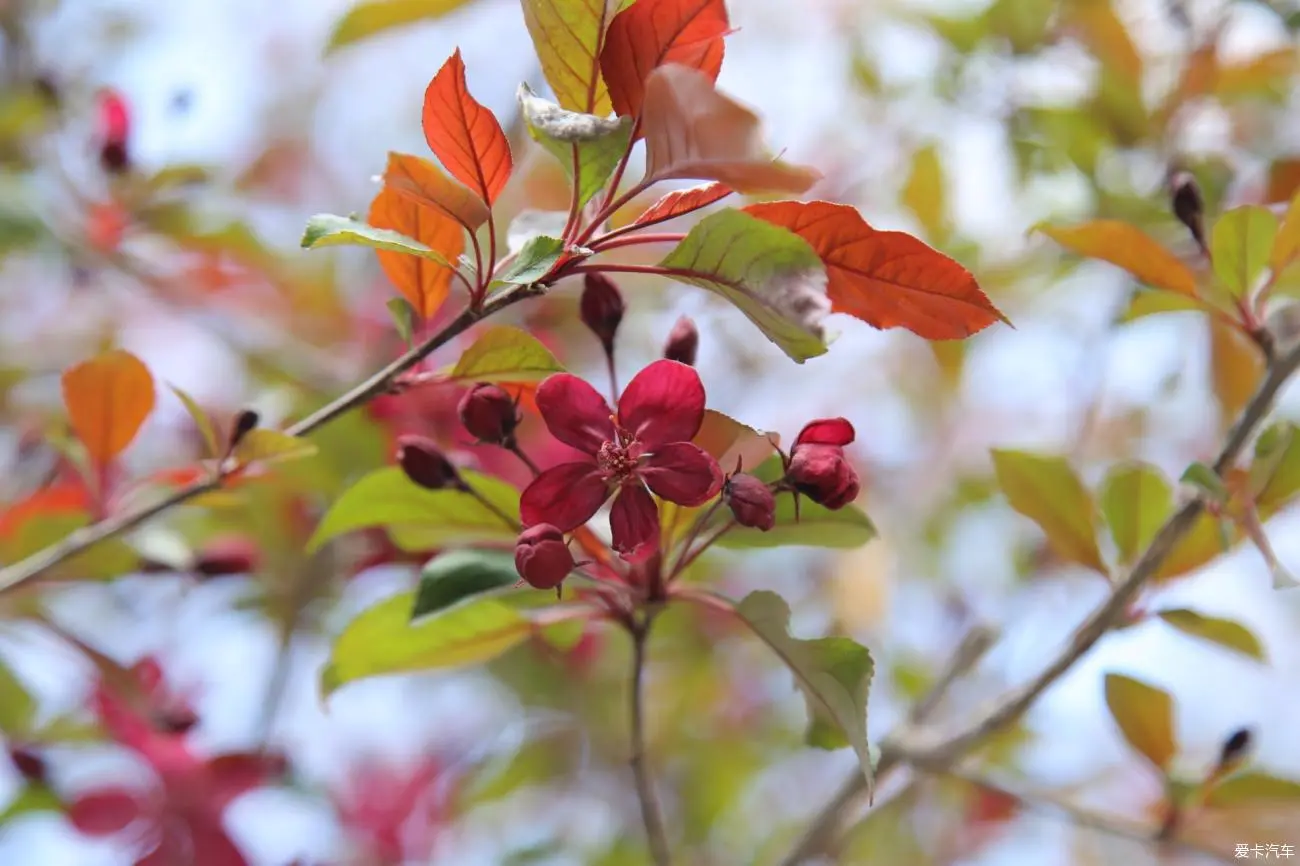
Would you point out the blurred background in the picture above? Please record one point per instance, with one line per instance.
(963, 122)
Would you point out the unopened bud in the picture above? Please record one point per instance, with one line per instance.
(542, 558)
(234, 555)
(28, 763)
(426, 465)
(114, 127)
(176, 720)
(683, 342)
(489, 414)
(751, 501)
(601, 308)
(245, 422)
(1188, 205)
(1235, 747)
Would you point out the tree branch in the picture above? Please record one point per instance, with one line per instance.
(935, 750)
(82, 539)
(651, 814)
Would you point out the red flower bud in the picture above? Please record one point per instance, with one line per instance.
(751, 501)
(235, 555)
(541, 556)
(601, 308)
(683, 342)
(28, 763)
(489, 414)
(823, 474)
(1188, 205)
(425, 464)
(114, 126)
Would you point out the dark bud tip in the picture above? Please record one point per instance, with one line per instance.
(683, 342)
(226, 556)
(542, 557)
(751, 502)
(601, 308)
(176, 720)
(113, 158)
(1188, 205)
(489, 414)
(1235, 747)
(245, 422)
(28, 763)
(425, 464)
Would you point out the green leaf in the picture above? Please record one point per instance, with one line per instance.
(261, 445)
(201, 421)
(34, 797)
(328, 230)
(816, 526)
(458, 574)
(1248, 788)
(505, 354)
(1135, 500)
(404, 317)
(1145, 716)
(1150, 302)
(601, 142)
(772, 275)
(568, 36)
(1207, 481)
(1275, 472)
(420, 519)
(1048, 492)
(1224, 632)
(534, 261)
(17, 707)
(834, 673)
(376, 16)
(385, 640)
(1240, 245)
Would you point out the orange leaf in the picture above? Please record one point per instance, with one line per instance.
(1128, 247)
(692, 131)
(650, 33)
(681, 202)
(886, 279)
(108, 398)
(1283, 180)
(464, 135)
(1236, 367)
(422, 182)
(422, 281)
(57, 499)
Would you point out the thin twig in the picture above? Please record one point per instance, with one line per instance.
(651, 814)
(972, 648)
(20, 572)
(935, 750)
(1108, 824)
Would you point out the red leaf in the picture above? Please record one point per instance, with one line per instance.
(649, 34)
(59, 499)
(886, 279)
(423, 282)
(464, 135)
(681, 202)
(693, 131)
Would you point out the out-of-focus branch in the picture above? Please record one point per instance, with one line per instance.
(82, 539)
(936, 749)
(824, 827)
(1110, 825)
(651, 814)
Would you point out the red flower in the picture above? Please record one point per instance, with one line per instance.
(647, 444)
(396, 814)
(179, 820)
(818, 466)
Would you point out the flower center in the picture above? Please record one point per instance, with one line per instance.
(615, 461)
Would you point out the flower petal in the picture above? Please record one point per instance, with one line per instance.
(104, 812)
(682, 473)
(565, 496)
(235, 773)
(575, 413)
(663, 403)
(826, 431)
(634, 522)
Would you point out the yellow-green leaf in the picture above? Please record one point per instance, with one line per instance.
(1128, 247)
(1135, 499)
(1224, 632)
(376, 16)
(1240, 244)
(1047, 491)
(569, 36)
(328, 230)
(505, 354)
(201, 421)
(923, 191)
(17, 708)
(1276, 468)
(1145, 716)
(271, 446)
(1286, 243)
(1249, 788)
(385, 640)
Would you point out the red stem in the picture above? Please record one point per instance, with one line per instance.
(609, 242)
(574, 221)
(622, 269)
